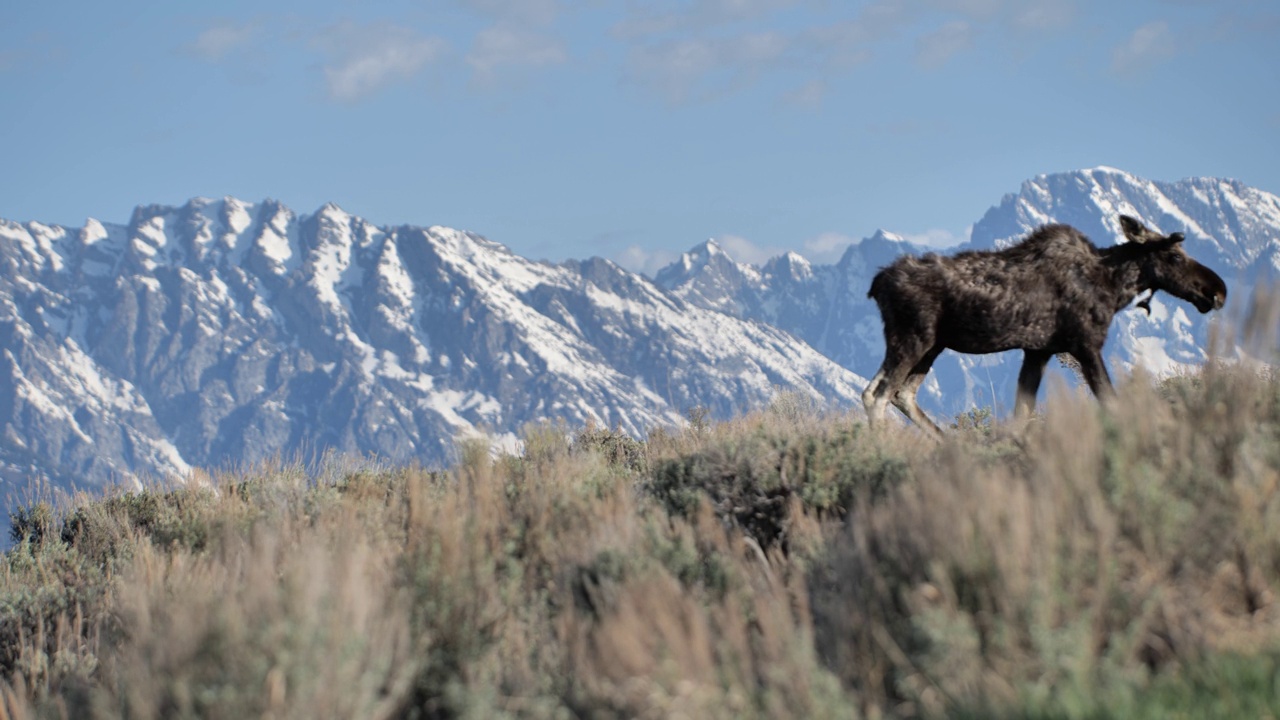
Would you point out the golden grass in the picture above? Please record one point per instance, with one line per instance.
(783, 564)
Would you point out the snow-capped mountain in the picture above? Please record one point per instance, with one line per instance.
(824, 305)
(221, 333)
(1231, 227)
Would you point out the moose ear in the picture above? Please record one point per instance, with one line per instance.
(1177, 237)
(1134, 229)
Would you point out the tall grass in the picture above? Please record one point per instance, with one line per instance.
(1117, 562)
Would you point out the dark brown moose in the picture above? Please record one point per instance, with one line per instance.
(1053, 292)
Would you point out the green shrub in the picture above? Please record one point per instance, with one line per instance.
(751, 479)
(53, 603)
(106, 529)
(32, 523)
(616, 447)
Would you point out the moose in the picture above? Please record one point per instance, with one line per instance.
(1053, 292)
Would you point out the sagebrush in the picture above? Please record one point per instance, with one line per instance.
(1101, 562)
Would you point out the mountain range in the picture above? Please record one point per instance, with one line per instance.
(1232, 228)
(223, 333)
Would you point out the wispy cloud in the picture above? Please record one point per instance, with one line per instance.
(503, 45)
(701, 68)
(939, 238)
(659, 18)
(35, 50)
(746, 251)
(537, 12)
(645, 260)
(827, 247)
(649, 261)
(702, 49)
(809, 95)
(216, 42)
(938, 47)
(824, 248)
(363, 59)
(1044, 14)
(520, 37)
(1148, 46)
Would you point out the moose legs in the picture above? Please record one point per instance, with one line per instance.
(907, 364)
(905, 398)
(1095, 373)
(1033, 362)
(898, 381)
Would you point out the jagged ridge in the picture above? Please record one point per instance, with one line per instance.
(221, 333)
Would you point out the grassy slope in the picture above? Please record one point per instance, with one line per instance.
(785, 564)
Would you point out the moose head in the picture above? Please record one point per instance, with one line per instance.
(1164, 265)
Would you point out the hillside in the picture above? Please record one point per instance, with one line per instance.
(783, 564)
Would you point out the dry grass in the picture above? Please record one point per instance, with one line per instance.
(783, 564)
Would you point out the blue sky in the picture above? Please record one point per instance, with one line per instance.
(625, 129)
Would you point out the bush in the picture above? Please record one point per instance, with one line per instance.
(32, 523)
(1102, 562)
(751, 478)
(616, 447)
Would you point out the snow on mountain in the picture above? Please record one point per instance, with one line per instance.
(1235, 225)
(222, 333)
(709, 278)
(824, 305)
(1231, 227)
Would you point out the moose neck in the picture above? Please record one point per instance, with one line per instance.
(1125, 263)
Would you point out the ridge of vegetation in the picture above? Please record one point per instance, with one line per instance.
(1099, 563)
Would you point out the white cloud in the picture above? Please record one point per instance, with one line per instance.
(745, 251)
(652, 18)
(501, 45)
(938, 47)
(520, 37)
(643, 260)
(365, 59)
(650, 261)
(216, 42)
(808, 95)
(1045, 14)
(824, 248)
(827, 247)
(702, 49)
(536, 12)
(1149, 45)
(699, 68)
(938, 238)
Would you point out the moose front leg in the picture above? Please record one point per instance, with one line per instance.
(1095, 373)
(1033, 362)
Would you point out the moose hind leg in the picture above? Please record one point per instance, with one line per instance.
(905, 344)
(1033, 362)
(884, 386)
(905, 398)
(873, 400)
